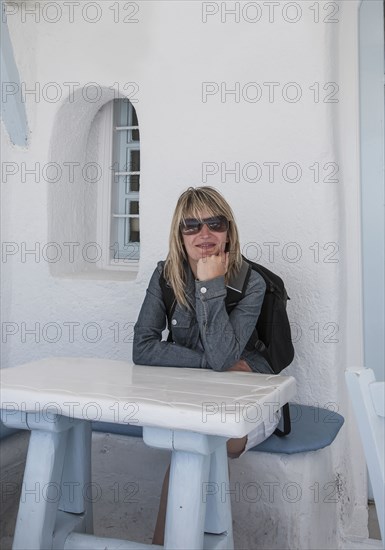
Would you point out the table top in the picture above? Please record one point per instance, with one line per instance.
(230, 404)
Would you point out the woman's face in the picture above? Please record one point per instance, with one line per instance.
(204, 243)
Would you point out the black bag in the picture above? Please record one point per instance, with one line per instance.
(271, 336)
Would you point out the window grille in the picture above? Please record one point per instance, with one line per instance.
(125, 184)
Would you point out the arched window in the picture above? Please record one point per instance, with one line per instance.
(118, 204)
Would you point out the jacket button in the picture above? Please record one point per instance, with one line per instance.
(203, 290)
(174, 322)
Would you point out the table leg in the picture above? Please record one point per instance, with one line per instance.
(42, 488)
(185, 507)
(198, 466)
(40, 491)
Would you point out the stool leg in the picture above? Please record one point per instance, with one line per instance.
(185, 508)
(40, 491)
(216, 494)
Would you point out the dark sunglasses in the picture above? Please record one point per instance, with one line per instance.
(192, 226)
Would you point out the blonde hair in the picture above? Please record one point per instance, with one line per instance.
(190, 205)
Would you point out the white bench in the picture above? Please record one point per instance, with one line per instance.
(368, 400)
(189, 411)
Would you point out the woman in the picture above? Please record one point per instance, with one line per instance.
(204, 257)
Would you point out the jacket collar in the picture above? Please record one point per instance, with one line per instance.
(237, 280)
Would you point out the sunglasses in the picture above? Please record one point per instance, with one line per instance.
(192, 226)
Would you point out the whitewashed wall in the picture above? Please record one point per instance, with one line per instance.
(169, 53)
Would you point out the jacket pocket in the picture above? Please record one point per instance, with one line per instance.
(182, 327)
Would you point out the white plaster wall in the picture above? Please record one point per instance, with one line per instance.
(169, 53)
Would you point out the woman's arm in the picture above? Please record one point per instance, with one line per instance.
(148, 347)
(224, 336)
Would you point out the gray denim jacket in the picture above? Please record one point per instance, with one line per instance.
(205, 336)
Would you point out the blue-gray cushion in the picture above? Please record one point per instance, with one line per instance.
(120, 429)
(312, 428)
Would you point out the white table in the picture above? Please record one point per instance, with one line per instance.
(192, 412)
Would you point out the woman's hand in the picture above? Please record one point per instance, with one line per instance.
(240, 365)
(210, 267)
